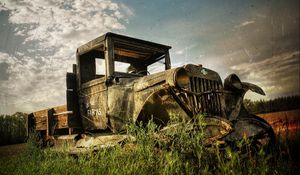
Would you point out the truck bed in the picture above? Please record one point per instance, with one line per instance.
(53, 119)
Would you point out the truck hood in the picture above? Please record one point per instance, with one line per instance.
(168, 76)
(165, 77)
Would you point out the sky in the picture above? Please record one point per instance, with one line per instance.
(257, 40)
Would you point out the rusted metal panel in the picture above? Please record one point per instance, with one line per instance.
(93, 104)
(120, 103)
(160, 106)
(99, 41)
(97, 44)
(209, 101)
(167, 60)
(109, 57)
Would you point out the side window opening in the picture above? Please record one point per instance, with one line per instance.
(92, 66)
(87, 68)
(138, 59)
(121, 66)
(158, 66)
(100, 67)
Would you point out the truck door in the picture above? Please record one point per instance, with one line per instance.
(92, 92)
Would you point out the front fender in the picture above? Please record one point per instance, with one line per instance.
(252, 87)
(234, 93)
(161, 106)
(251, 127)
(245, 125)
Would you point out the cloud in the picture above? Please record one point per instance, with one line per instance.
(277, 75)
(30, 82)
(127, 10)
(51, 22)
(3, 71)
(52, 30)
(185, 50)
(179, 52)
(245, 23)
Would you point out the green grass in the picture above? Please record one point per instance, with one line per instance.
(178, 151)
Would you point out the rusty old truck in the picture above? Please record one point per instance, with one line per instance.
(112, 85)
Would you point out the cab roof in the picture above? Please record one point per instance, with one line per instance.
(128, 48)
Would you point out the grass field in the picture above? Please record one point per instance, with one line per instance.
(283, 122)
(15, 150)
(149, 155)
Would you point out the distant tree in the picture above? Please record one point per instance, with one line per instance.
(13, 128)
(273, 105)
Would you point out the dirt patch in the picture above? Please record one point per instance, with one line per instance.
(12, 150)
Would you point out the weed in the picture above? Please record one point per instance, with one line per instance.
(176, 150)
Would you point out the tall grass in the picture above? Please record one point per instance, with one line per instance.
(178, 150)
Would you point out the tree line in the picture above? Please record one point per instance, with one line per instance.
(273, 105)
(13, 128)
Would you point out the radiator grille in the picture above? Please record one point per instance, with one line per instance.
(209, 102)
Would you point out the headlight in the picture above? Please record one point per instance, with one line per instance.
(181, 78)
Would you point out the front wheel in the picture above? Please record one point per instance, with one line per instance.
(255, 131)
(264, 139)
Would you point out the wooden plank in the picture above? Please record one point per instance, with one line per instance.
(57, 117)
(62, 121)
(60, 109)
(63, 113)
(131, 53)
(40, 118)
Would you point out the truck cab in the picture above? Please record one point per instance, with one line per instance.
(106, 69)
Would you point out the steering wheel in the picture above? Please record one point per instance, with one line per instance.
(143, 71)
